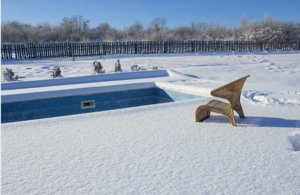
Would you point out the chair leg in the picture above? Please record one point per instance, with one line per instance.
(231, 118)
(202, 113)
(238, 108)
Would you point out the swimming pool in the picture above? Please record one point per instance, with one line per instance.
(77, 104)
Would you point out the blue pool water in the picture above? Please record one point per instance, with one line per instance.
(61, 106)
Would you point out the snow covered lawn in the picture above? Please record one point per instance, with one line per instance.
(159, 149)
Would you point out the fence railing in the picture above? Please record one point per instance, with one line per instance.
(54, 50)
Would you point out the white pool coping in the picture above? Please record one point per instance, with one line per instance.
(78, 86)
(102, 89)
(85, 79)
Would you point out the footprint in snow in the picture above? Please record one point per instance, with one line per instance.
(258, 97)
(295, 140)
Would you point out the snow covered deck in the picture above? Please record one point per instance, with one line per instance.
(159, 149)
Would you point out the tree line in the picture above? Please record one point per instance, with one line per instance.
(77, 29)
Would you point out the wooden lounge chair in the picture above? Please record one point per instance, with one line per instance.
(231, 92)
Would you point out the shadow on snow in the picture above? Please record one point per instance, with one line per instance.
(254, 121)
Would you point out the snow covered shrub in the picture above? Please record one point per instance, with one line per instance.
(135, 68)
(9, 75)
(56, 72)
(118, 67)
(98, 68)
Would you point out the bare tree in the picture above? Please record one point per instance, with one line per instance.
(135, 32)
(106, 33)
(157, 31)
(183, 33)
(76, 29)
(200, 30)
(269, 31)
(218, 32)
(16, 32)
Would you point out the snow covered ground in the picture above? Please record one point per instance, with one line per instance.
(159, 149)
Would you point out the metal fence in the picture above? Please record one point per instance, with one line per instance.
(59, 50)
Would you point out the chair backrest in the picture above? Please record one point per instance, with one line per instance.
(231, 91)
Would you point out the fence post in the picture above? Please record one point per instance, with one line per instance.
(34, 50)
(71, 51)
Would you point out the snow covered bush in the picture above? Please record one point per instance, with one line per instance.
(135, 67)
(118, 67)
(98, 68)
(56, 72)
(9, 75)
